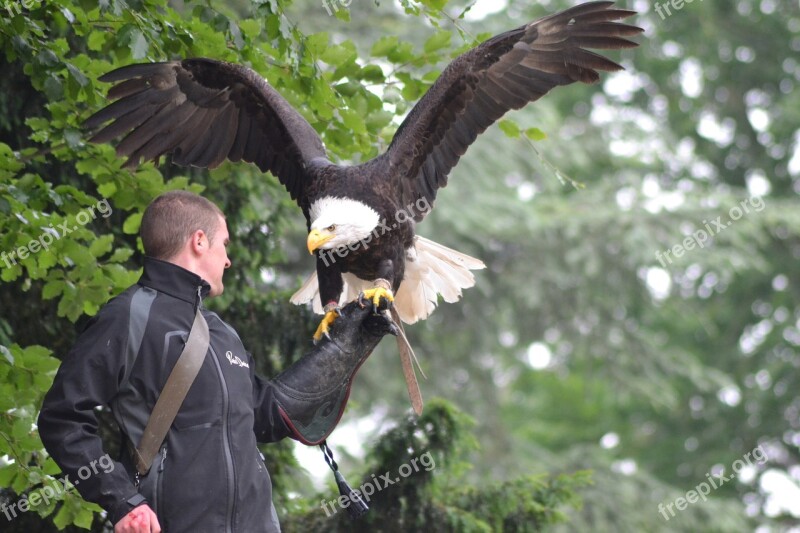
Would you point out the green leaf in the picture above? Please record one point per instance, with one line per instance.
(97, 40)
(47, 259)
(138, 45)
(21, 427)
(84, 518)
(132, 223)
(431, 76)
(236, 34)
(20, 483)
(10, 274)
(7, 475)
(336, 55)
(120, 255)
(8, 160)
(63, 517)
(342, 14)
(353, 120)
(77, 253)
(73, 138)
(10, 358)
(108, 189)
(434, 4)
(510, 128)
(372, 73)
(101, 246)
(535, 134)
(402, 53)
(250, 27)
(47, 58)
(52, 289)
(50, 467)
(53, 87)
(316, 43)
(77, 75)
(384, 46)
(438, 41)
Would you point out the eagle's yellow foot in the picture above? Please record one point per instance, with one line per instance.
(325, 324)
(374, 295)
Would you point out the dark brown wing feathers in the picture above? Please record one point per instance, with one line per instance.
(506, 72)
(202, 112)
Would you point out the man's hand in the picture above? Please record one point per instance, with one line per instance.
(141, 519)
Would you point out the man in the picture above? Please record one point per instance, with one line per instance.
(208, 474)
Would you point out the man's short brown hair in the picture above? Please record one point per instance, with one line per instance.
(172, 218)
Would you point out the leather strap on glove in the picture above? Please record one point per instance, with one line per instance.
(313, 392)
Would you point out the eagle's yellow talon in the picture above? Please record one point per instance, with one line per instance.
(375, 295)
(325, 324)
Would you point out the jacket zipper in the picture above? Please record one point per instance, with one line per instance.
(226, 445)
(159, 479)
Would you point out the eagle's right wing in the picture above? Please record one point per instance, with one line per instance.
(203, 111)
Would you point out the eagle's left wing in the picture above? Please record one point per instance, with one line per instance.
(503, 73)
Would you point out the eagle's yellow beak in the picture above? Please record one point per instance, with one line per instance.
(317, 238)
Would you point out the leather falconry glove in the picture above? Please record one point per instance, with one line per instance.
(313, 392)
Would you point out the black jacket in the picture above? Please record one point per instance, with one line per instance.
(209, 475)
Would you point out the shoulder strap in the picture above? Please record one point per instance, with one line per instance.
(173, 393)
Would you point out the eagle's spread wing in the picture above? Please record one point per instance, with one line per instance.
(505, 72)
(202, 112)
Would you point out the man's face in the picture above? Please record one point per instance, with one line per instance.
(215, 260)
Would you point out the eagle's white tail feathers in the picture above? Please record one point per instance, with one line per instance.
(308, 292)
(431, 270)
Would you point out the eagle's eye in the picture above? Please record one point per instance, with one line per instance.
(331, 227)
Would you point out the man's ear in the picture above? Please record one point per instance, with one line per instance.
(199, 242)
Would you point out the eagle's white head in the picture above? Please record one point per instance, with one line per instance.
(337, 222)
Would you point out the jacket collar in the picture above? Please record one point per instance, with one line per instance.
(174, 280)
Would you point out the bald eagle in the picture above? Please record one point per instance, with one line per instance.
(361, 219)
